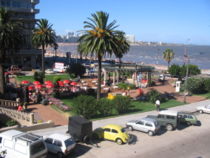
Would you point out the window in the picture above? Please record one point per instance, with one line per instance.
(148, 124)
(107, 130)
(114, 131)
(0, 139)
(49, 140)
(140, 123)
(190, 117)
(37, 147)
(170, 117)
(68, 142)
(160, 116)
(58, 143)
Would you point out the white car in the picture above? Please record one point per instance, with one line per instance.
(147, 125)
(49, 71)
(204, 109)
(59, 144)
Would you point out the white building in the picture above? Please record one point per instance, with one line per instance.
(130, 38)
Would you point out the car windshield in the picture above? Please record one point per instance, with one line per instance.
(69, 142)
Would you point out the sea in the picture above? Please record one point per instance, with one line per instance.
(153, 54)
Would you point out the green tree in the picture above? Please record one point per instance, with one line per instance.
(10, 41)
(43, 36)
(77, 69)
(100, 38)
(168, 56)
(175, 70)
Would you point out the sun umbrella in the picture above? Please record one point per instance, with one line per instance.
(36, 82)
(49, 86)
(74, 83)
(25, 82)
(31, 87)
(66, 81)
(60, 83)
(38, 86)
(48, 82)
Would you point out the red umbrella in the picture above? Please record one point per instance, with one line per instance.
(60, 83)
(38, 86)
(25, 82)
(66, 81)
(36, 82)
(48, 82)
(49, 86)
(31, 87)
(74, 83)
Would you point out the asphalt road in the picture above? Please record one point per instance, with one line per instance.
(184, 142)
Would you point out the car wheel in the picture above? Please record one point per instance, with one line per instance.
(150, 133)
(169, 127)
(119, 141)
(130, 128)
(59, 155)
(200, 111)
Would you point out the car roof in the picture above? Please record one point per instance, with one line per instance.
(168, 112)
(113, 126)
(148, 119)
(11, 134)
(59, 136)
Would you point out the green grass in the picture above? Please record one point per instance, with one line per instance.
(47, 77)
(137, 107)
(206, 95)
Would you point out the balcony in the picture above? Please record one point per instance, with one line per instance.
(36, 11)
(35, 1)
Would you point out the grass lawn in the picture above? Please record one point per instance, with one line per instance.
(47, 77)
(206, 95)
(137, 107)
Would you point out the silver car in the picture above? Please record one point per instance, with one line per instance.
(147, 125)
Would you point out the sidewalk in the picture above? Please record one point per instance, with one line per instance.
(121, 120)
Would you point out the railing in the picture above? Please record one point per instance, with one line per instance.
(8, 104)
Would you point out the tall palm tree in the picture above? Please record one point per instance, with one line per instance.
(43, 36)
(168, 55)
(55, 47)
(99, 39)
(10, 41)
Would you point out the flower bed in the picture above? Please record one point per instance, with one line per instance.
(58, 103)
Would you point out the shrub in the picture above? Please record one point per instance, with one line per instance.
(126, 86)
(77, 69)
(196, 85)
(11, 123)
(85, 106)
(122, 104)
(105, 106)
(207, 85)
(59, 104)
(39, 76)
(154, 95)
(175, 70)
(56, 78)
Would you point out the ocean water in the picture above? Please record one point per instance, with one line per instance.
(198, 55)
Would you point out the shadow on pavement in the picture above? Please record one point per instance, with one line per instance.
(161, 131)
(133, 139)
(80, 149)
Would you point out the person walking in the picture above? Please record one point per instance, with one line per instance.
(157, 104)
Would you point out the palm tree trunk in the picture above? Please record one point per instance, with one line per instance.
(2, 81)
(43, 59)
(168, 64)
(99, 78)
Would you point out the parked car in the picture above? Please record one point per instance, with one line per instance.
(204, 109)
(115, 133)
(147, 125)
(49, 71)
(187, 117)
(166, 118)
(59, 144)
(16, 144)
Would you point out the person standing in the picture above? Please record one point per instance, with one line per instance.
(157, 104)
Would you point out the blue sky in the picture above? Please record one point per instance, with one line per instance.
(173, 21)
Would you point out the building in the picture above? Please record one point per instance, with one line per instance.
(24, 11)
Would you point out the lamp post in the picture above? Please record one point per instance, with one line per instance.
(186, 56)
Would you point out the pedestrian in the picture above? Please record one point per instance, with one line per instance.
(157, 104)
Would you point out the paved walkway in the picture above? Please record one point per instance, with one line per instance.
(121, 120)
(46, 113)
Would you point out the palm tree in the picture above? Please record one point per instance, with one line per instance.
(99, 39)
(10, 41)
(55, 47)
(168, 55)
(43, 36)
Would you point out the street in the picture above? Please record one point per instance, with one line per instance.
(184, 142)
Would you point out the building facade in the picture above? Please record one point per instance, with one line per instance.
(24, 11)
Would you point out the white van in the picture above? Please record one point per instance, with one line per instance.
(16, 144)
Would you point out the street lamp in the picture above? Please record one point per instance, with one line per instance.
(186, 56)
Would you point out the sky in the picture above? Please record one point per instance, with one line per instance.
(172, 21)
